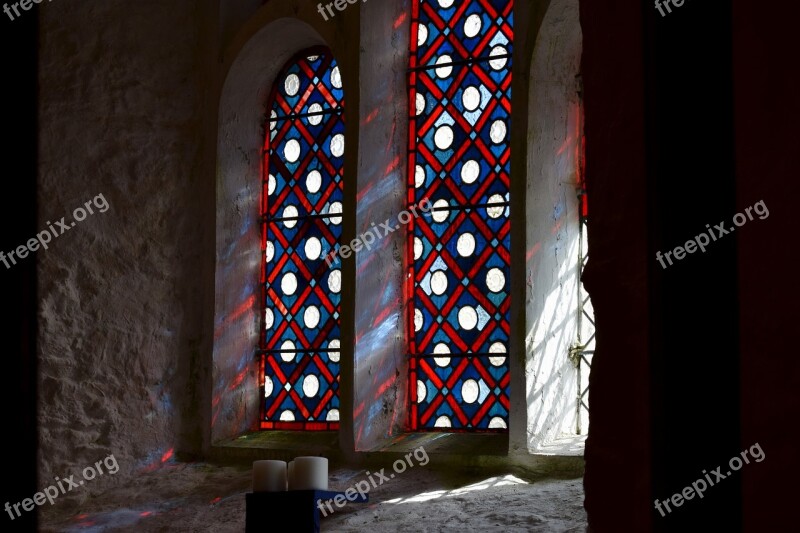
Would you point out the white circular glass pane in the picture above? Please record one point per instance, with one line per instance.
(336, 78)
(419, 177)
(334, 345)
(310, 386)
(313, 248)
(498, 131)
(496, 211)
(270, 251)
(269, 318)
(291, 151)
(337, 145)
(292, 84)
(287, 416)
(472, 26)
(417, 248)
(470, 171)
(335, 281)
(442, 422)
(441, 348)
(471, 98)
(271, 184)
(420, 104)
(314, 120)
(313, 181)
(440, 216)
(335, 208)
(497, 64)
(288, 283)
(418, 320)
(287, 356)
(495, 280)
(332, 416)
(311, 317)
(467, 318)
(289, 212)
(439, 282)
(470, 390)
(446, 3)
(444, 72)
(497, 423)
(465, 245)
(422, 34)
(422, 391)
(268, 387)
(443, 137)
(497, 347)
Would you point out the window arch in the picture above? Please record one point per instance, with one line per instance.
(301, 223)
(459, 255)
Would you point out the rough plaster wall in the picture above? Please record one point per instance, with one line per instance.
(552, 226)
(121, 293)
(381, 370)
(234, 13)
(235, 389)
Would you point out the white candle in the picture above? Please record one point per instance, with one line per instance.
(291, 475)
(310, 473)
(269, 476)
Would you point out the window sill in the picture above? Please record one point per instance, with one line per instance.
(561, 458)
(281, 445)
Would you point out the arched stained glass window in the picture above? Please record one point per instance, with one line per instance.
(301, 224)
(459, 158)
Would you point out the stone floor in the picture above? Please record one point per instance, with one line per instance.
(199, 497)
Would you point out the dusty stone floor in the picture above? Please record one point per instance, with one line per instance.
(200, 497)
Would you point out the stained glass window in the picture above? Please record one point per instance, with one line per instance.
(301, 225)
(459, 158)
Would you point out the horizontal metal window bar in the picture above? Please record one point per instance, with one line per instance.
(461, 62)
(321, 350)
(301, 217)
(468, 206)
(329, 111)
(456, 355)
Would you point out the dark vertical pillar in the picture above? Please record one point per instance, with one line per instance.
(617, 480)
(18, 42)
(694, 328)
(767, 111)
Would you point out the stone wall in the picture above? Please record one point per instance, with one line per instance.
(123, 296)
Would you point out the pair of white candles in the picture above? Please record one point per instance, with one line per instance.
(304, 473)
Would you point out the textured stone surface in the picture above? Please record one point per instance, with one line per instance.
(381, 369)
(121, 295)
